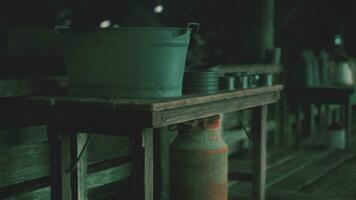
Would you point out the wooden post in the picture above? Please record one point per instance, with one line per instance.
(67, 182)
(309, 118)
(55, 159)
(143, 163)
(259, 134)
(265, 26)
(162, 140)
(79, 174)
(298, 131)
(137, 185)
(286, 124)
(149, 162)
(321, 122)
(347, 121)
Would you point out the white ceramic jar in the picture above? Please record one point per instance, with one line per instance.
(343, 74)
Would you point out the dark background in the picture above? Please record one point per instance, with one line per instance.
(227, 26)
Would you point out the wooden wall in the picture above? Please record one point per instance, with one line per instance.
(24, 164)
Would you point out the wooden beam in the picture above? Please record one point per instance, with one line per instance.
(143, 163)
(16, 87)
(68, 178)
(79, 174)
(347, 111)
(148, 139)
(259, 135)
(168, 117)
(265, 26)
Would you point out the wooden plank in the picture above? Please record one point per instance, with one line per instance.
(21, 163)
(55, 162)
(23, 136)
(148, 139)
(66, 173)
(301, 162)
(79, 174)
(109, 175)
(106, 147)
(168, 117)
(259, 138)
(106, 164)
(66, 163)
(242, 163)
(137, 183)
(163, 138)
(222, 96)
(290, 165)
(92, 120)
(347, 122)
(24, 187)
(313, 172)
(155, 119)
(337, 184)
(38, 194)
(114, 190)
(147, 104)
(16, 87)
(282, 195)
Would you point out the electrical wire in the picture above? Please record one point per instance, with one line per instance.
(239, 114)
(75, 165)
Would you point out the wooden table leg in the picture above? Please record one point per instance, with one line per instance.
(162, 140)
(143, 161)
(298, 131)
(309, 118)
(148, 139)
(79, 174)
(285, 121)
(68, 181)
(347, 122)
(322, 122)
(259, 134)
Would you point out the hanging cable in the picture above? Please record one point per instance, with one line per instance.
(75, 164)
(239, 114)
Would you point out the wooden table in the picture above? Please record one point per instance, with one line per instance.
(325, 95)
(141, 121)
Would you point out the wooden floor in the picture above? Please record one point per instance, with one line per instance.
(304, 173)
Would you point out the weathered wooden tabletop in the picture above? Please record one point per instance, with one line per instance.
(149, 112)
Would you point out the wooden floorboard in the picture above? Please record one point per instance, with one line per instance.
(306, 174)
(295, 160)
(337, 184)
(323, 173)
(303, 173)
(316, 170)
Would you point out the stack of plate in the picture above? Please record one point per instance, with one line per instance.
(201, 82)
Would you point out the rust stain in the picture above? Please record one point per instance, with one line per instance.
(212, 191)
(204, 152)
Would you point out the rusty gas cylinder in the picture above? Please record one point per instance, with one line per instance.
(199, 161)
